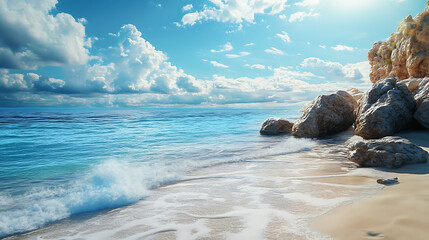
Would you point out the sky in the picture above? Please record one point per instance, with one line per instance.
(188, 53)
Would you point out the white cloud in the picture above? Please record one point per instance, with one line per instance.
(343, 48)
(283, 87)
(249, 44)
(241, 54)
(284, 37)
(133, 73)
(282, 17)
(256, 66)
(307, 3)
(234, 11)
(334, 71)
(274, 51)
(322, 46)
(28, 82)
(216, 64)
(224, 48)
(131, 66)
(187, 7)
(300, 16)
(32, 35)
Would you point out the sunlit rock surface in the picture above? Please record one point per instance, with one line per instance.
(385, 109)
(327, 114)
(405, 54)
(276, 126)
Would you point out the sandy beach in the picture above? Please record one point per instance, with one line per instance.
(397, 212)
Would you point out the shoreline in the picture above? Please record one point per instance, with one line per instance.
(270, 198)
(320, 196)
(396, 212)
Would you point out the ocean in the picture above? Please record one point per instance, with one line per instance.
(56, 164)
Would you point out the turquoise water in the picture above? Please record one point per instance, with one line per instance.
(58, 162)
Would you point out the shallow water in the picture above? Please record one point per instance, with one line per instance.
(271, 197)
(165, 174)
(55, 163)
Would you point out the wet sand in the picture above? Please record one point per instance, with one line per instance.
(400, 211)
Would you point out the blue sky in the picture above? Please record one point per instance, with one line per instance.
(253, 53)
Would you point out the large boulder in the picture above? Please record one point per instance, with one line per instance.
(389, 152)
(276, 126)
(405, 54)
(422, 103)
(385, 109)
(327, 114)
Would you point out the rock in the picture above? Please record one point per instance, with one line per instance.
(422, 114)
(388, 181)
(385, 109)
(379, 57)
(327, 114)
(356, 93)
(276, 126)
(422, 103)
(412, 84)
(405, 54)
(422, 85)
(389, 152)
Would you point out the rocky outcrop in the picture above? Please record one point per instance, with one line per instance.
(276, 126)
(422, 103)
(327, 114)
(405, 54)
(389, 152)
(385, 109)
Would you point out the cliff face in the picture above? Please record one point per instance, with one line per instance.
(406, 53)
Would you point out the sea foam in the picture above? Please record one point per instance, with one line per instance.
(115, 183)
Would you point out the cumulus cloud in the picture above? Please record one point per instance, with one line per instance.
(343, 48)
(300, 16)
(33, 35)
(283, 86)
(28, 82)
(249, 44)
(133, 72)
(334, 71)
(216, 64)
(234, 11)
(284, 36)
(274, 51)
(136, 66)
(224, 48)
(131, 66)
